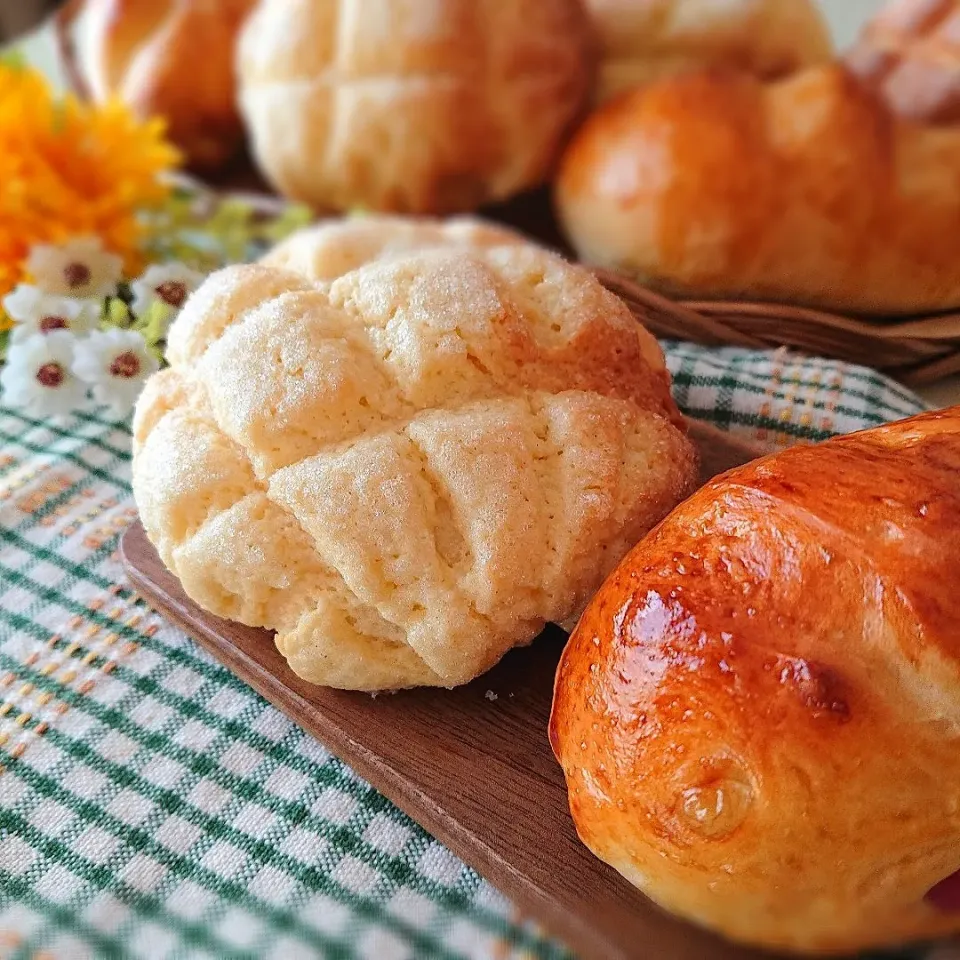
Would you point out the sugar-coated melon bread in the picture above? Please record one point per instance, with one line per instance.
(411, 468)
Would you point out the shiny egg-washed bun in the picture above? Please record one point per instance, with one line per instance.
(758, 715)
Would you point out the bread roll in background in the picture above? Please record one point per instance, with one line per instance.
(643, 40)
(910, 52)
(335, 247)
(400, 105)
(807, 190)
(168, 58)
(413, 468)
(758, 715)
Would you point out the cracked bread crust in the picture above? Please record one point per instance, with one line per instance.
(411, 469)
(412, 107)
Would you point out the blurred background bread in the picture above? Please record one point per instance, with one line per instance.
(758, 715)
(335, 247)
(806, 190)
(641, 40)
(373, 164)
(409, 106)
(168, 58)
(910, 52)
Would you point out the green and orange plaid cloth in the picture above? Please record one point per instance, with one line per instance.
(153, 806)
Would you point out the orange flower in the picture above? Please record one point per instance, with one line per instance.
(70, 169)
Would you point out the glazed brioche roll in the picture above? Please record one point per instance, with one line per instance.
(758, 715)
(809, 190)
(169, 58)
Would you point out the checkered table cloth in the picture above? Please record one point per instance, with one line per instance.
(153, 806)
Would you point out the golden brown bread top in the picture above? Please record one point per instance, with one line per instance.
(412, 107)
(169, 58)
(409, 469)
(643, 40)
(910, 52)
(759, 713)
(806, 190)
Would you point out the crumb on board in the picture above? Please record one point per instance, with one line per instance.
(490, 695)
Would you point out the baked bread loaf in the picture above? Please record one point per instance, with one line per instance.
(335, 247)
(412, 107)
(168, 58)
(412, 469)
(715, 185)
(910, 52)
(644, 40)
(759, 713)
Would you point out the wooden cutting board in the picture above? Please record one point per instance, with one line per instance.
(475, 771)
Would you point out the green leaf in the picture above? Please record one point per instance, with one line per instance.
(124, 292)
(206, 231)
(116, 314)
(153, 324)
(293, 218)
(14, 58)
(159, 350)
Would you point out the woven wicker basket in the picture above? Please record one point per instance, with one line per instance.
(915, 351)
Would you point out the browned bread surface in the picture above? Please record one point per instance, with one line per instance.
(808, 191)
(169, 58)
(643, 40)
(910, 52)
(759, 714)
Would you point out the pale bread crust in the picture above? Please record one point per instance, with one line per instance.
(408, 106)
(411, 469)
(334, 247)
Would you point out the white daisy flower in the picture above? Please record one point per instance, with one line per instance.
(38, 375)
(169, 284)
(37, 312)
(80, 268)
(115, 363)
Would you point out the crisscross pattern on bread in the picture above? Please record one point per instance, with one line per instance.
(411, 469)
(412, 106)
